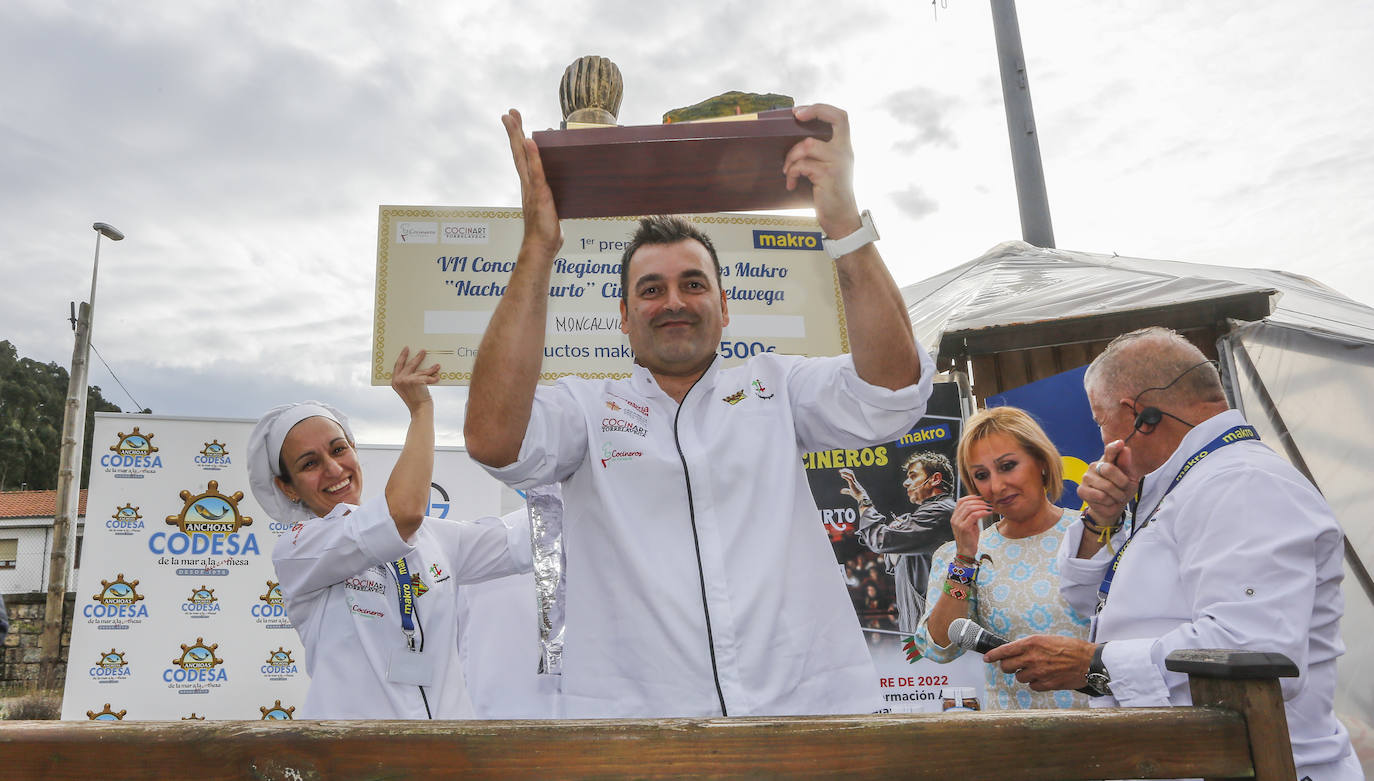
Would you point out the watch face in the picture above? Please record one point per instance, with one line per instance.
(1099, 683)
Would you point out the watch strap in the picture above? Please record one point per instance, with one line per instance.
(866, 234)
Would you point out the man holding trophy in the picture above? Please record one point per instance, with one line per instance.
(699, 578)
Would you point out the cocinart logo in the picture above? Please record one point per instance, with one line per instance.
(279, 665)
(106, 714)
(117, 605)
(276, 712)
(201, 604)
(125, 521)
(271, 612)
(132, 455)
(196, 669)
(111, 667)
(214, 457)
(209, 522)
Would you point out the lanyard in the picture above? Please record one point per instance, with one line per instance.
(406, 593)
(1228, 437)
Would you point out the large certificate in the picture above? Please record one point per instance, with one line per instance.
(441, 272)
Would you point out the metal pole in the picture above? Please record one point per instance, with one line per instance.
(1031, 197)
(69, 475)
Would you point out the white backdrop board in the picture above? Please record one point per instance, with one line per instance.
(177, 610)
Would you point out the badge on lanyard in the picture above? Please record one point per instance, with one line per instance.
(408, 664)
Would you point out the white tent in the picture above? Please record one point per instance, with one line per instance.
(1296, 355)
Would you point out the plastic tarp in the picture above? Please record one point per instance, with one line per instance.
(1015, 283)
(1301, 375)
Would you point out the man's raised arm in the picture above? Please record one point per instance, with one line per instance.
(880, 337)
(512, 349)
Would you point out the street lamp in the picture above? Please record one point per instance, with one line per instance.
(69, 468)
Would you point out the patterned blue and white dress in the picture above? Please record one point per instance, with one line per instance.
(1016, 594)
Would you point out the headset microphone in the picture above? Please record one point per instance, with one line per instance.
(1150, 416)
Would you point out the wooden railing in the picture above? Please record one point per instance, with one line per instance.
(1236, 729)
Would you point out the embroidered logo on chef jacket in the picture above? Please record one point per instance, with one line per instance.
(106, 714)
(359, 583)
(634, 413)
(610, 454)
(438, 574)
(734, 398)
(612, 424)
(761, 391)
(637, 411)
(276, 712)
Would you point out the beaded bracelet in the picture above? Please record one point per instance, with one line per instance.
(961, 573)
(955, 590)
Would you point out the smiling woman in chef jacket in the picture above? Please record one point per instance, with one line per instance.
(371, 586)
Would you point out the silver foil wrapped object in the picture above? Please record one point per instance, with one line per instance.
(545, 505)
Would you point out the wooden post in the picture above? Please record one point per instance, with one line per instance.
(1246, 682)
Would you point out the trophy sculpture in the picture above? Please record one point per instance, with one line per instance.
(590, 92)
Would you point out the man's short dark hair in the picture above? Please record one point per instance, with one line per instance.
(663, 229)
(932, 463)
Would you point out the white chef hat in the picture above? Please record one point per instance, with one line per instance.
(264, 455)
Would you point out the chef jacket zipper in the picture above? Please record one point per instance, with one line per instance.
(701, 575)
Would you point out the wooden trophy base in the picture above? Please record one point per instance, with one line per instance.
(676, 168)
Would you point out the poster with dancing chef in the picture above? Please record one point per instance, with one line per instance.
(887, 509)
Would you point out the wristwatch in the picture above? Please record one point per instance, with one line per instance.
(866, 234)
(1099, 682)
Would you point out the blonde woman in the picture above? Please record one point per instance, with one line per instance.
(1004, 577)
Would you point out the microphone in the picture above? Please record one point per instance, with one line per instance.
(969, 636)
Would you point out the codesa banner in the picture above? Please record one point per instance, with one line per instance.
(441, 271)
(178, 611)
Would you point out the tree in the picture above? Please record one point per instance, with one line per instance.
(33, 398)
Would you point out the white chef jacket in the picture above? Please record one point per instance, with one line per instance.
(782, 637)
(341, 596)
(1243, 554)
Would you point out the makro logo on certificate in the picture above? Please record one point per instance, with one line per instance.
(133, 455)
(781, 239)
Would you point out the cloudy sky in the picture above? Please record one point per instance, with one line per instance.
(244, 148)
